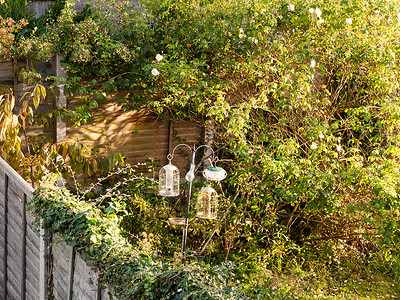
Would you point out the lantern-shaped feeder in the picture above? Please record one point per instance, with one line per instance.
(214, 174)
(168, 184)
(207, 203)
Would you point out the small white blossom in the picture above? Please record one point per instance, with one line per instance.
(349, 21)
(320, 21)
(312, 64)
(179, 290)
(377, 11)
(155, 72)
(314, 146)
(290, 7)
(311, 10)
(339, 148)
(159, 57)
(318, 12)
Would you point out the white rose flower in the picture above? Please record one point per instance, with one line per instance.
(311, 10)
(318, 12)
(349, 21)
(155, 72)
(159, 57)
(312, 64)
(290, 7)
(314, 146)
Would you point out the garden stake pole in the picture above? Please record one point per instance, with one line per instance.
(185, 228)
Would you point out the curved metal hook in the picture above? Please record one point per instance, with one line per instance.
(214, 158)
(170, 156)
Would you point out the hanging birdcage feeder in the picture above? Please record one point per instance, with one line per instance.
(207, 203)
(168, 184)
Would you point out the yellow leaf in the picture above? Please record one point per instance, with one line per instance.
(43, 91)
(94, 165)
(12, 102)
(36, 96)
(64, 150)
(7, 107)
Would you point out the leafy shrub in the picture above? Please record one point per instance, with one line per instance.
(132, 274)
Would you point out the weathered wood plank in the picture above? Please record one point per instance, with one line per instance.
(32, 269)
(14, 239)
(14, 187)
(33, 239)
(12, 291)
(32, 277)
(14, 206)
(32, 291)
(14, 278)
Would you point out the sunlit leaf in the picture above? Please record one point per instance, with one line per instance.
(36, 96)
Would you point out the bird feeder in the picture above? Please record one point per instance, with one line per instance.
(168, 181)
(207, 203)
(214, 174)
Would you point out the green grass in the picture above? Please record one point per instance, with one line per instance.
(343, 283)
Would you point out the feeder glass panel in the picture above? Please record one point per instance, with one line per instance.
(207, 203)
(168, 181)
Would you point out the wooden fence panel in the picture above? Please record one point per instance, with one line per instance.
(21, 251)
(137, 134)
(6, 73)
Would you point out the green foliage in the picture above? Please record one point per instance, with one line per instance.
(15, 9)
(133, 274)
(303, 97)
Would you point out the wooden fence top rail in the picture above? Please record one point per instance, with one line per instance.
(16, 178)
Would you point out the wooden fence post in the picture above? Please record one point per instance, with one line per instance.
(42, 264)
(5, 235)
(71, 273)
(60, 127)
(23, 281)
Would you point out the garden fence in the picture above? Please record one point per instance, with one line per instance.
(29, 267)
